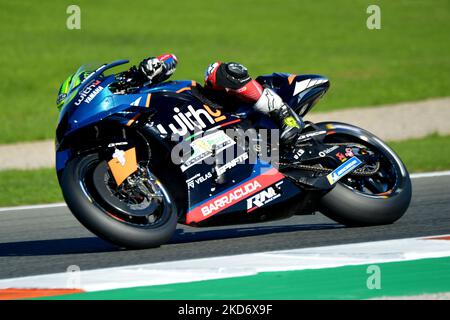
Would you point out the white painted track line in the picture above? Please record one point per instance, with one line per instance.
(239, 265)
(430, 174)
(31, 207)
(62, 204)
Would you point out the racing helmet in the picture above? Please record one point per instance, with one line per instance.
(71, 82)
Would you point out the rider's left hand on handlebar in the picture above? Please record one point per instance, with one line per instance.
(151, 67)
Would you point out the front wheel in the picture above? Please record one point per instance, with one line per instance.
(366, 201)
(138, 214)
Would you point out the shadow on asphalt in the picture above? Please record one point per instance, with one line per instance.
(184, 236)
(55, 247)
(96, 245)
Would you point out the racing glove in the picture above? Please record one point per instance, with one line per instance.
(158, 69)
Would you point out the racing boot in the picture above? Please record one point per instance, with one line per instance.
(289, 122)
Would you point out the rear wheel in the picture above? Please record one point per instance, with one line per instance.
(381, 198)
(140, 213)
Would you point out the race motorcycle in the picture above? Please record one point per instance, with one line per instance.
(115, 165)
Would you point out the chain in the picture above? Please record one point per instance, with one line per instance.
(364, 171)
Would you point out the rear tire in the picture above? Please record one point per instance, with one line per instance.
(352, 207)
(98, 220)
(345, 206)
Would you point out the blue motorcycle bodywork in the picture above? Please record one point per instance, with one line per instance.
(92, 102)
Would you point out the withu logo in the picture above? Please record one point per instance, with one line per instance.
(192, 120)
(89, 92)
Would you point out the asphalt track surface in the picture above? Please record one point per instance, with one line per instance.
(40, 241)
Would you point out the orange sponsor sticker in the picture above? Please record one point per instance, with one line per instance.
(291, 78)
(123, 164)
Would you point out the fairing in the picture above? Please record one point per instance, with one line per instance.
(174, 109)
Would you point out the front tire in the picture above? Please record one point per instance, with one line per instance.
(102, 221)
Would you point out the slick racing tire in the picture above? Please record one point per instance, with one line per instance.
(362, 206)
(103, 220)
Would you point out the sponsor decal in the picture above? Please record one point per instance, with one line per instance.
(309, 135)
(198, 179)
(235, 195)
(136, 102)
(291, 122)
(231, 197)
(343, 169)
(115, 144)
(89, 92)
(120, 156)
(192, 120)
(327, 151)
(210, 69)
(299, 154)
(203, 147)
(349, 152)
(341, 156)
(93, 94)
(264, 197)
(221, 170)
(308, 83)
(123, 164)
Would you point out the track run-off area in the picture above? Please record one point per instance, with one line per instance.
(45, 252)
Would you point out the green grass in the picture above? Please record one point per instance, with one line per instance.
(408, 59)
(29, 187)
(41, 186)
(425, 154)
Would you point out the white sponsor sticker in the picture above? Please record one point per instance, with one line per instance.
(198, 179)
(203, 147)
(264, 197)
(343, 169)
(327, 151)
(232, 163)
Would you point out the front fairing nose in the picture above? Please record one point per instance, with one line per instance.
(89, 105)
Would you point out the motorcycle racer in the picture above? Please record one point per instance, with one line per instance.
(119, 142)
(232, 78)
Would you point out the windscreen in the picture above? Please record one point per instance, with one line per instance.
(84, 74)
(80, 77)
